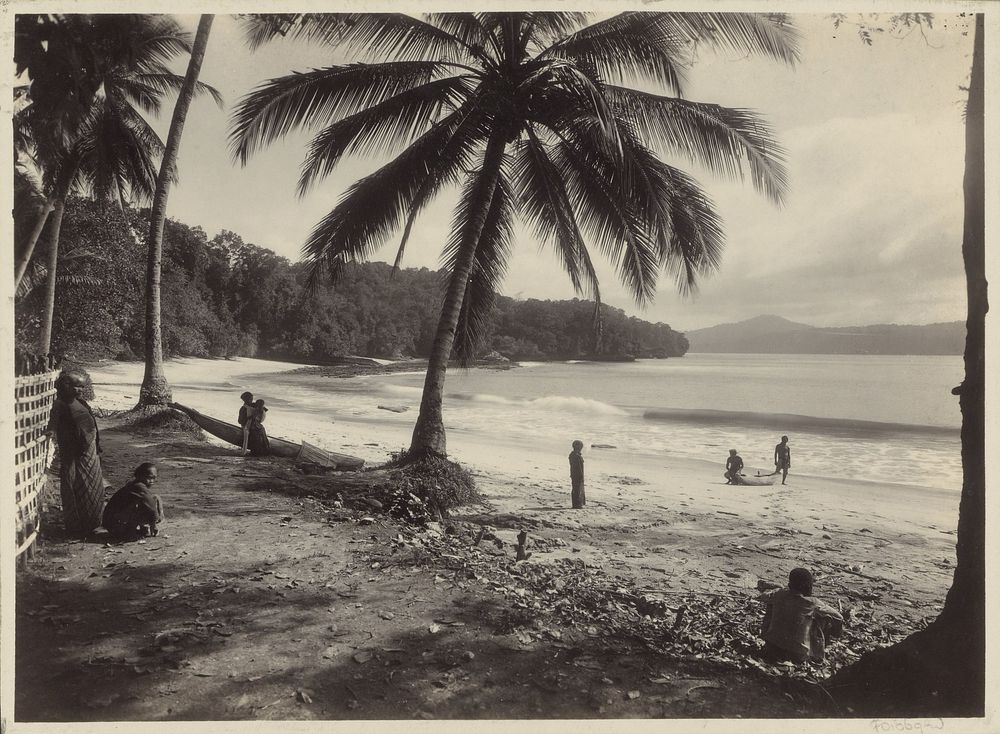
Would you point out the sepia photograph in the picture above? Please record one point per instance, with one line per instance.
(510, 366)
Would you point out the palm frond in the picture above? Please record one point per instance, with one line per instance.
(465, 27)
(261, 28)
(393, 36)
(118, 151)
(395, 121)
(547, 27)
(374, 206)
(578, 93)
(466, 127)
(304, 99)
(150, 40)
(604, 211)
(721, 138)
(768, 34)
(681, 220)
(626, 46)
(547, 208)
(37, 272)
(493, 247)
(163, 83)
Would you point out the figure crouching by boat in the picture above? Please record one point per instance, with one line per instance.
(734, 468)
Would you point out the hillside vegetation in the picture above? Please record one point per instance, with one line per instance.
(225, 297)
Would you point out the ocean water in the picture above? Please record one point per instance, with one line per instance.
(882, 418)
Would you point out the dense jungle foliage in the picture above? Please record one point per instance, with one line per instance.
(226, 297)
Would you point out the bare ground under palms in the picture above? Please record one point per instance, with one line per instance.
(259, 603)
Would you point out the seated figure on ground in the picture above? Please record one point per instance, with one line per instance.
(134, 511)
(796, 626)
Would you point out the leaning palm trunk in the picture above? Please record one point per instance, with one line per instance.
(155, 390)
(29, 248)
(428, 433)
(64, 185)
(45, 338)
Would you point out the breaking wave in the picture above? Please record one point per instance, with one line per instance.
(786, 422)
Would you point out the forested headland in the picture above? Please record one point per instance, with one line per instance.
(223, 297)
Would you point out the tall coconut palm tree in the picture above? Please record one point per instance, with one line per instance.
(533, 114)
(155, 390)
(110, 149)
(70, 61)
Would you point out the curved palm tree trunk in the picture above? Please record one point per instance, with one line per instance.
(428, 433)
(155, 389)
(45, 337)
(965, 604)
(29, 248)
(940, 671)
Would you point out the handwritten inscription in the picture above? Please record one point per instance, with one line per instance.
(887, 725)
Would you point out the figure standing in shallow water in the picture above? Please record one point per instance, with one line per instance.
(782, 458)
(576, 475)
(81, 483)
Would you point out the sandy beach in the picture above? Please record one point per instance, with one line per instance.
(666, 529)
(677, 513)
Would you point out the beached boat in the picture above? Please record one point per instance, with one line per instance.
(233, 434)
(761, 480)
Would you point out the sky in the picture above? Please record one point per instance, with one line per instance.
(870, 231)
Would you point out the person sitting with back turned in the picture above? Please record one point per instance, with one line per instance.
(134, 511)
(796, 626)
(734, 465)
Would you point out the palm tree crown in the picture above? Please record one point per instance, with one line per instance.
(535, 115)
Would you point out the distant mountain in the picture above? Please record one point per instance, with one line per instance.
(776, 335)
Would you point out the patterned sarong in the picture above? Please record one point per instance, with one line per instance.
(81, 484)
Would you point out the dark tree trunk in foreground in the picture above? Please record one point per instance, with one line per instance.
(940, 671)
(428, 433)
(155, 390)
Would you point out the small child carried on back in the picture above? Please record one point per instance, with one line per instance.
(134, 511)
(796, 626)
(247, 413)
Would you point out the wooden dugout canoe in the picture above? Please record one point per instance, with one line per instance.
(761, 480)
(232, 433)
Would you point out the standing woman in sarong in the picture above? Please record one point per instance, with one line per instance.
(81, 483)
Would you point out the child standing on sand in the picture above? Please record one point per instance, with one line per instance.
(796, 626)
(576, 475)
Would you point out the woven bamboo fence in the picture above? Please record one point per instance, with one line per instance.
(33, 395)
